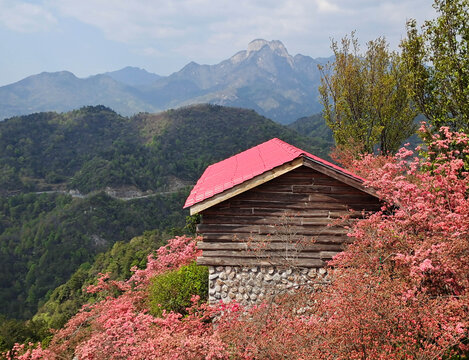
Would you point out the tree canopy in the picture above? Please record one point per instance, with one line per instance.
(437, 60)
(366, 102)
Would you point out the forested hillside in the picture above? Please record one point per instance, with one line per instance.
(45, 237)
(94, 148)
(315, 127)
(66, 300)
(188, 139)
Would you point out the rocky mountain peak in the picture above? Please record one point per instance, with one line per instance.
(257, 45)
(274, 45)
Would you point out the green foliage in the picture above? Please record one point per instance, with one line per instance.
(185, 141)
(173, 290)
(44, 238)
(315, 127)
(93, 148)
(437, 59)
(67, 299)
(46, 149)
(191, 223)
(15, 331)
(365, 98)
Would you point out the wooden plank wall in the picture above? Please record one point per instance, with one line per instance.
(282, 222)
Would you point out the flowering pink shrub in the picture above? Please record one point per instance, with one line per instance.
(399, 291)
(119, 327)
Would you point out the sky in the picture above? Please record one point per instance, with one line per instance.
(88, 37)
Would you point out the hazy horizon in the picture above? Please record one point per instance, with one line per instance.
(90, 37)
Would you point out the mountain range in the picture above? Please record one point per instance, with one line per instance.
(265, 77)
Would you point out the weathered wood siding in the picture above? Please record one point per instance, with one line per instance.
(282, 222)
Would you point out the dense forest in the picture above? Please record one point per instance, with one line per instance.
(65, 300)
(313, 127)
(93, 148)
(44, 238)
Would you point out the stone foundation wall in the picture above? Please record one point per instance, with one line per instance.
(251, 285)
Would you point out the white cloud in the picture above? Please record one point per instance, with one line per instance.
(151, 51)
(208, 31)
(373, 18)
(127, 21)
(25, 17)
(325, 6)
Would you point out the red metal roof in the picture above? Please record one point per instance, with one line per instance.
(246, 165)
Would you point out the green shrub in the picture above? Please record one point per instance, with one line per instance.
(173, 290)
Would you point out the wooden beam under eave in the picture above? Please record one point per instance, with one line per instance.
(247, 185)
(335, 174)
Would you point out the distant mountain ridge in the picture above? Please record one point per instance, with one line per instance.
(264, 77)
(133, 76)
(63, 91)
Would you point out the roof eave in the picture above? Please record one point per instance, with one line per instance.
(305, 160)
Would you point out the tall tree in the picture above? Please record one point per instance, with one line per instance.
(366, 103)
(437, 58)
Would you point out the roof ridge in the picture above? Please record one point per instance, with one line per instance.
(236, 155)
(290, 148)
(297, 151)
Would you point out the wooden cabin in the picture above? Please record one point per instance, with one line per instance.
(271, 209)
